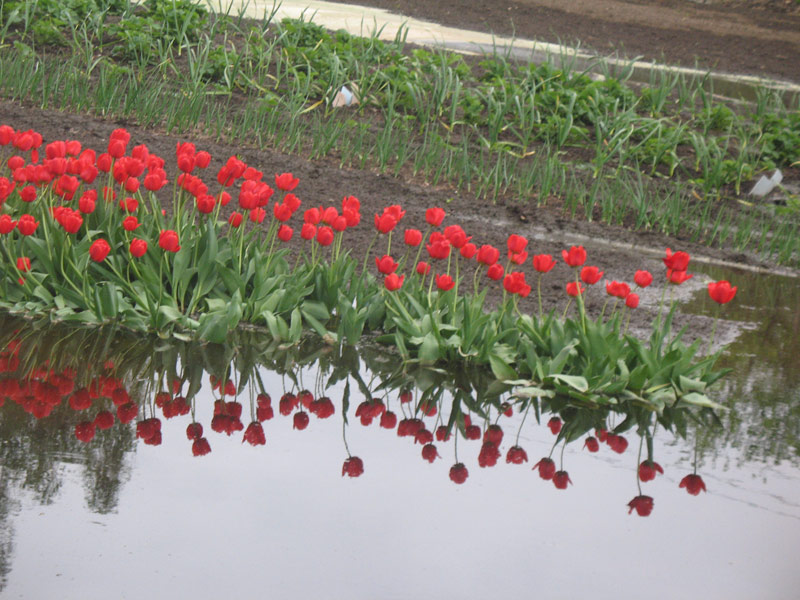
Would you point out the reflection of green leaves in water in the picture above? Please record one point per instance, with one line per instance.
(763, 388)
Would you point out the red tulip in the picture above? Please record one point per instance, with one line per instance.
(434, 216)
(99, 250)
(516, 243)
(632, 300)
(353, 467)
(7, 224)
(285, 233)
(386, 264)
(643, 278)
(24, 264)
(468, 250)
(138, 247)
(413, 237)
(385, 223)
(27, 225)
(575, 257)
(423, 268)
(648, 470)
(678, 277)
(168, 240)
(591, 275)
(488, 255)
(575, 289)
(642, 504)
(547, 468)
(445, 282)
(694, 484)
(495, 272)
(286, 182)
(617, 289)
(561, 480)
(721, 291)
(439, 246)
(324, 236)
(458, 473)
(678, 261)
(130, 223)
(543, 263)
(393, 282)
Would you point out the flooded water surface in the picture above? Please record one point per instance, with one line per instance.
(342, 502)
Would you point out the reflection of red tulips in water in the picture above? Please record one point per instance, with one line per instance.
(694, 484)
(353, 467)
(643, 505)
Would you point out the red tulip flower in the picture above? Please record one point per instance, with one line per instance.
(286, 182)
(561, 480)
(643, 505)
(591, 275)
(546, 467)
(24, 264)
(575, 289)
(423, 268)
(458, 473)
(413, 237)
(435, 216)
(677, 261)
(325, 236)
(617, 289)
(445, 282)
(27, 225)
(285, 233)
(643, 278)
(488, 255)
(468, 250)
(393, 282)
(575, 257)
(99, 250)
(694, 484)
(648, 470)
(138, 247)
(168, 241)
(386, 264)
(678, 277)
(543, 263)
(353, 467)
(721, 291)
(632, 300)
(495, 272)
(516, 243)
(235, 219)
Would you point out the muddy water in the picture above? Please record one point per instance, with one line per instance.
(121, 518)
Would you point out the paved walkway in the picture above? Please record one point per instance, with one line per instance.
(360, 20)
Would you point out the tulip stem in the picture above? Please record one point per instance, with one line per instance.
(713, 333)
(344, 437)
(519, 431)
(539, 294)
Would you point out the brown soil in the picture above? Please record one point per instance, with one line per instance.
(755, 37)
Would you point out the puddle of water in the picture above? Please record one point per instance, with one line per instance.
(283, 515)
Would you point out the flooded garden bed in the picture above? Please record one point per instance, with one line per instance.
(207, 344)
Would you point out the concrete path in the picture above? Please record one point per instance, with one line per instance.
(360, 20)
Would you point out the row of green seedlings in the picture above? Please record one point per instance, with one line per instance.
(154, 102)
(540, 104)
